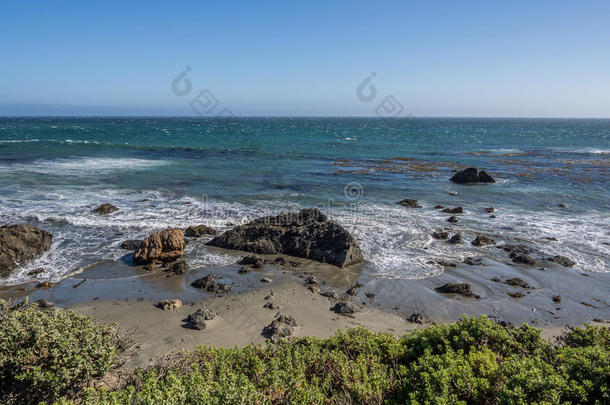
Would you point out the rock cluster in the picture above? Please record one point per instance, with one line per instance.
(281, 327)
(197, 319)
(472, 175)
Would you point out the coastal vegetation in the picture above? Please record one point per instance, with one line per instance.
(58, 356)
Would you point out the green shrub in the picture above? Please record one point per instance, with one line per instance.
(47, 354)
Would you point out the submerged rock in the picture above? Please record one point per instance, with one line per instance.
(472, 175)
(457, 288)
(440, 235)
(482, 240)
(132, 244)
(453, 219)
(105, 209)
(408, 202)
(564, 261)
(489, 210)
(252, 260)
(20, 244)
(457, 238)
(210, 284)
(455, 210)
(308, 234)
(199, 230)
(164, 246)
(517, 282)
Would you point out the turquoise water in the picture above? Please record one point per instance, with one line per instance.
(552, 182)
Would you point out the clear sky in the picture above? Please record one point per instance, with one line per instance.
(443, 58)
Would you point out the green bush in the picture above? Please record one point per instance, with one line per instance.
(53, 355)
(47, 354)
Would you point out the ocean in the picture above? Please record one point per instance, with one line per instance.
(552, 188)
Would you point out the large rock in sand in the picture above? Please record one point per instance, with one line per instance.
(308, 234)
(19, 244)
(164, 246)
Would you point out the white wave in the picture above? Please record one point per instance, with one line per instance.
(81, 166)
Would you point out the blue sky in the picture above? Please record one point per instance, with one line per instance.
(487, 58)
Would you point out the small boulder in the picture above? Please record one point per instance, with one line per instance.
(440, 235)
(562, 260)
(105, 209)
(197, 319)
(471, 175)
(453, 220)
(209, 283)
(271, 305)
(455, 210)
(409, 203)
(522, 258)
(482, 240)
(169, 304)
(197, 231)
(42, 303)
(252, 260)
(344, 308)
(416, 318)
(457, 238)
(132, 244)
(312, 280)
(329, 294)
(489, 210)
(517, 282)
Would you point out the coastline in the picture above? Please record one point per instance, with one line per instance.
(126, 295)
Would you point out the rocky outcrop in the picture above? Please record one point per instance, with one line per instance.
(482, 240)
(164, 246)
(105, 209)
(281, 327)
(408, 202)
(210, 284)
(471, 175)
(345, 308)
(308, 234)
(199, 230)
(456, 210)
(19, 244)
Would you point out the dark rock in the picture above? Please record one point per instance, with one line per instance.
(243, 270)
(353, 290)
(197, 319)
(517, 282)
(329, 294)
(36, 272)
(416, 318)
(280, 260)
(277, 330)
(457, 238)
(407, 202)
(492, 216)
(199, 230)
(522, 258)
(453, 220)
(496, 280)
(20, 244)
(457, 288)
(557, 299)
(439, 207)
(345, 308)
(164, 246)
(105, 209)
(177, 268)
(312, 280)
(440, 235)
(564, 261)
(252, 260)
(370, 296)
(515, 294)
(489, 210)
(132, 244)
(272, 305)
(471, 175)
(455, 210)
(482, 240)
(45, 285)
(308, 234)
(42, 303)
(473, 261)
(445, 263)
(209, 283)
